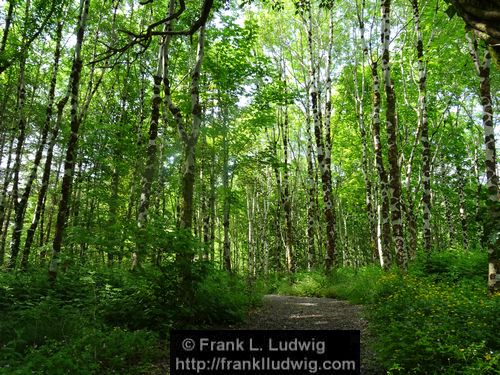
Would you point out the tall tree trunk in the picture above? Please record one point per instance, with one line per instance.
(6, 29)
(5, 196)
(113, 209)
(150, 169)
(21, 136)
(5, 229)
(226, 244)
(189, 139)
(449, 221)
(392, 135)
(477, 200)
(491, 229)
(69, 162)
(273, 140)
(359, 95)
(206, 199)
(323, 140)
(42, 194)
(211, 205)
(251, 237)
(286, 200)
(265, 226)
(311, 194)
(5, 131)
(384, 224)
(20, 209)
(424, 126)
(461, 206)
(132, 201)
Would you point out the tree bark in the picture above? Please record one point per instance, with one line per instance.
(323, 141)
(424, 126)
(5, 196)
(226, 245)
(384, 224)
(359, 95)
(286, 200)
(491, 229)
(461, 206)
(20, 209)
(150, 169)
(5, 229)
(311, 194)
(21, 136)
(189, 139)
(69, 163)
(251, 237)
(392, 135)
(6, 29)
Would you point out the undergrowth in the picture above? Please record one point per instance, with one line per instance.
(435, 319)
(109, 320)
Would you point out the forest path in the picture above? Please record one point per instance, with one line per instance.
(288, 312)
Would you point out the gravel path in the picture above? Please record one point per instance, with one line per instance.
(287, 312)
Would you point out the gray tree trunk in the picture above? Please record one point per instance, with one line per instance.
(69, 162)
(492, 229)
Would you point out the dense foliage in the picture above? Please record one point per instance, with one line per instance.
(437, 319)
(108, 320)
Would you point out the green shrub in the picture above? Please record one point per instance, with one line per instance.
(438, 318)
(93, 352)
(312, 284)
(108, 320)
(451, 265)
(345, 283)
(220, 298)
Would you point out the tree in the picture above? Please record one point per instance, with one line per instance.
(69, 162)
(322, 132)
(492, 231)
(392, 135)
(424, 127)
(481, 16)
(44, 10)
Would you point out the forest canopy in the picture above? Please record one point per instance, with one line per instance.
(275, 135)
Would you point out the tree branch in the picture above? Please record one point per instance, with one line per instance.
(144, 38)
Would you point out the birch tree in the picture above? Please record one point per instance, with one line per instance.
(20, 208)
(492, 230)
(149, 172)
(322, 132)
(392, 135)
(69, 162)
(423, 120)
(383, 222)
(359, 95)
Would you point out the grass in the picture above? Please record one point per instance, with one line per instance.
(343, 283)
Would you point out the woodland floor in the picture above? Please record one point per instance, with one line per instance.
(287, 312)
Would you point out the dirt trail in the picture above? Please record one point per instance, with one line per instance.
(287, 312)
